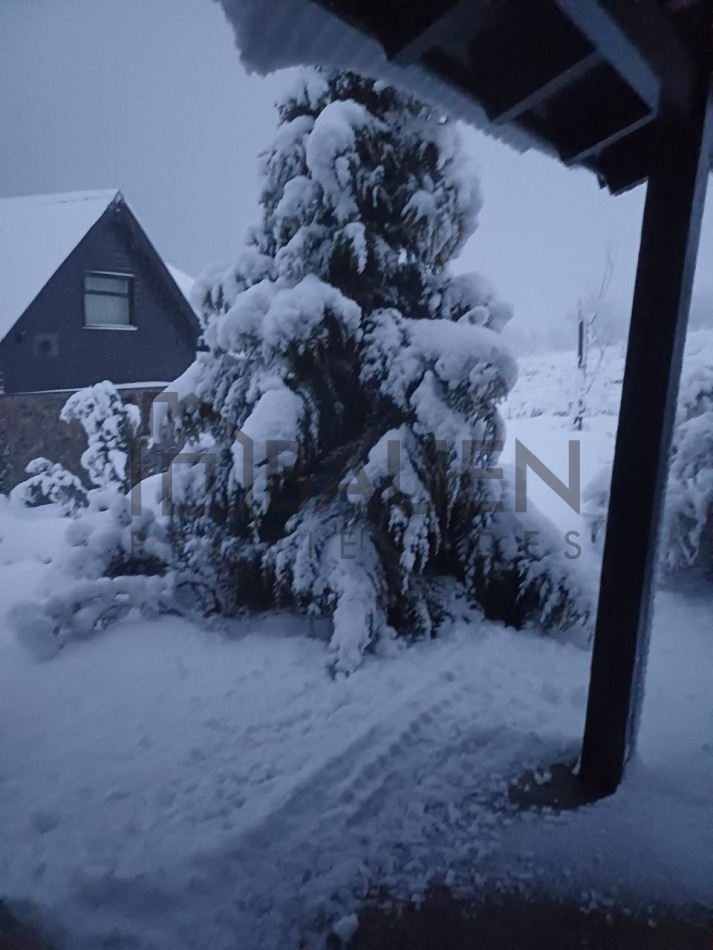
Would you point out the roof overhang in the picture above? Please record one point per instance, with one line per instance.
(586, 81)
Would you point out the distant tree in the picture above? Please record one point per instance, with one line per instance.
(593, 336)
(109, 425)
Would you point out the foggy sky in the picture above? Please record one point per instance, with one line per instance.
(149, 96)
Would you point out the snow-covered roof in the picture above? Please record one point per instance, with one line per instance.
(184, 281)
(274, 34)
(37, 233)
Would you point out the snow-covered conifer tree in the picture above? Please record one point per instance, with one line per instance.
(346, 410)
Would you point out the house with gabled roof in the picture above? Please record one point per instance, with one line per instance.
(84, 296)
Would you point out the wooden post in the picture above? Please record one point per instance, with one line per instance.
(667, 257)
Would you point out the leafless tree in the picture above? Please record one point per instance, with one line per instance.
(592, 339)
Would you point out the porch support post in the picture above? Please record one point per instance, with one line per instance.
(667, 257)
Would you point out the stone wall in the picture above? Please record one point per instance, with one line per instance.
(30, 427)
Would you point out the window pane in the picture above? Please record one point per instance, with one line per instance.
(101, 310)
(107, 283)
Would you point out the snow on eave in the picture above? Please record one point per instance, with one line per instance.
(275, 34)
(37, 234)
(183, 281)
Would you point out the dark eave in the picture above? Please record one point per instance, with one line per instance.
(587, 78)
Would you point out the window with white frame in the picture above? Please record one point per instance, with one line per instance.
(108, 300)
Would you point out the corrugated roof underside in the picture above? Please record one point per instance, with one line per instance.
(275, 34)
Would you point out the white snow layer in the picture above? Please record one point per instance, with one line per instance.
(184, 281)
(36, 235)
(282, 316)
(164, 786)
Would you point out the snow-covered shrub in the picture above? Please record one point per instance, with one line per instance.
(82, 608)
(350, 389)
(4, 459)
(114, 542)
(526, 573)
(110, 425)
(688, 525)
(595, 504)
(113, 563)
(687, 536)
(50, 484)
(689, 508)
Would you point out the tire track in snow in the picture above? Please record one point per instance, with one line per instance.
(405, 796)
(297, 835)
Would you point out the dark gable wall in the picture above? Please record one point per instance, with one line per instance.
(160, 348)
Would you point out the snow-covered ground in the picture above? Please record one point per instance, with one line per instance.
(165, 786)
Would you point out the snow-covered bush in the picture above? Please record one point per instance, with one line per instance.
(526, 573)
(350, 389)
(86, 606)
(595, 504)
(689, 509)
(687, 536)
(110, 425)
(113, 563)
(4, 459)
(113, 542)
(50, 484)
(689, 504)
